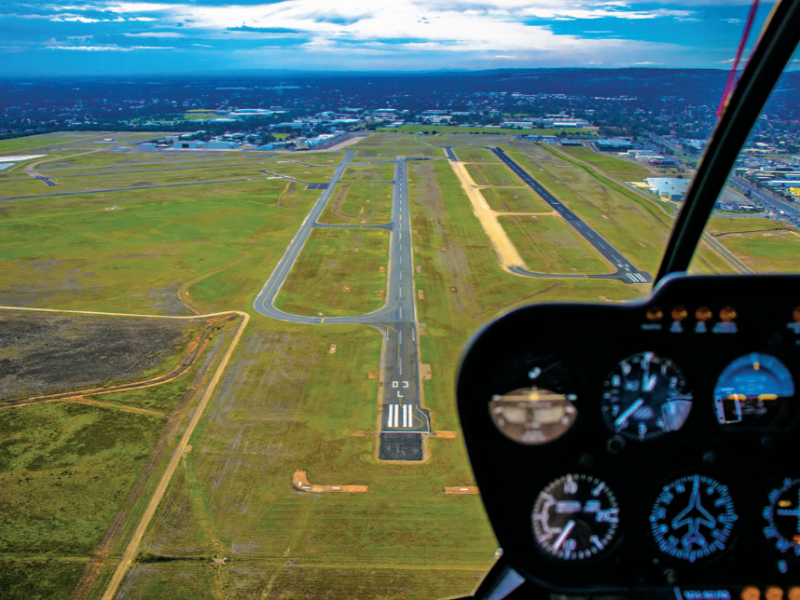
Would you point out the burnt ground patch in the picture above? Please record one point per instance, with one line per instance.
(46, 353)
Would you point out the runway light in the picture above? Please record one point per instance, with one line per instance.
(703, 313)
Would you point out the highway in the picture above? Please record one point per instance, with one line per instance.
(403, 420)
(791, 212)
(625, 270)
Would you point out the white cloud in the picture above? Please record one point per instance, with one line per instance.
(106, 48)
(506, 56)
(155, 34)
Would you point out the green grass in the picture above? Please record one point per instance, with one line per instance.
(616, 167)
(476, 155)
(239, 502)
(65, 470)
(329, 262)
(36, 144)
(635, 226)
(549, 245)
(40, 580)
(134, 260)
(397, 144)
(764, 245)
(489, 174)
(517, 200)
(359, 204)
(380, 172)
(717, 225)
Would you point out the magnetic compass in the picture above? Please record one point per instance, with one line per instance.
(783, 517)
(693, 518)
(575, 517)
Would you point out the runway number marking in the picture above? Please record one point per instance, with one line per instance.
(396, 384)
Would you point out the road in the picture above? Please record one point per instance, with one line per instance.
(403, 420)
(625, 272)
(791, 211)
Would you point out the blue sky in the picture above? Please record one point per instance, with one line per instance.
(106, 36)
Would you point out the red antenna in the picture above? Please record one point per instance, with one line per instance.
(732, 76)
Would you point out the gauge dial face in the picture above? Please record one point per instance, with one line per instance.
(645, 396)
(783, 517)
(576, 517)
(693, 518)
(532, 416)
(752, 390)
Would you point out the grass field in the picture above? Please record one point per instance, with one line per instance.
(496, 175)
(616, 167)
(359, 204)
(549, 245)
(337, 273)
(71, 253)
(66, 140)
(373, 173)
(635, 226)
(764, 245)
(397, 144)
(514, 200)
(476, 155)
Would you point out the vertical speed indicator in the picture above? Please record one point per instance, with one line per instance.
(645, 396)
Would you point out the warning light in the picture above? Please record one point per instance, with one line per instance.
(703, 313)
(773, 593)
(679, 313)
(727, 314)
(784, 503)
(794, 593)
(654, 314)
(751, 593)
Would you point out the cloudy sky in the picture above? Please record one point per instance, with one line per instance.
(107, 36)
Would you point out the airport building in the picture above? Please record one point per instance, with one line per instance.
(668, 188)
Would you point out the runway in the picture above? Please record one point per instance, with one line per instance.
(403, 420)
(626, 271)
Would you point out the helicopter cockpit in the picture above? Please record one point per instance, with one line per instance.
(649, 450)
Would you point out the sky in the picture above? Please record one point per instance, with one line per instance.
(99, 37)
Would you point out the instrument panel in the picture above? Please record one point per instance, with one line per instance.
(648, 447)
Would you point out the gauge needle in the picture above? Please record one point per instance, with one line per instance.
(564, 534)
(628, 412)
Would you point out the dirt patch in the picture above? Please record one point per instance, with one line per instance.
(420, 295)
(380, 293)
(300, 482)
(373, 374)
(447, 435)
(419, 269)
(453, 289)
(355, 249)
(416, 248)
(422, 328)
(332, 349)
(463, 490)
(426, 371)
(444, 249)
(48, 353)
(361, 433)
(382, 269)
(346, 288)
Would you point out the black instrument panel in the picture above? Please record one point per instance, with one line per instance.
(652, 445)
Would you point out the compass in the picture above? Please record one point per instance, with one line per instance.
(783, 517)
(693, 518)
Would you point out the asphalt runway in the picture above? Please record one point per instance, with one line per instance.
(626, 271)
(402, 420)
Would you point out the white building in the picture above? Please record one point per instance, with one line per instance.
(668, 188)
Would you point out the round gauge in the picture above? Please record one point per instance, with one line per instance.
(575, 517)
(693, 518)
(783, 517)
(532, 416)
(752, 390)
(645, 396)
